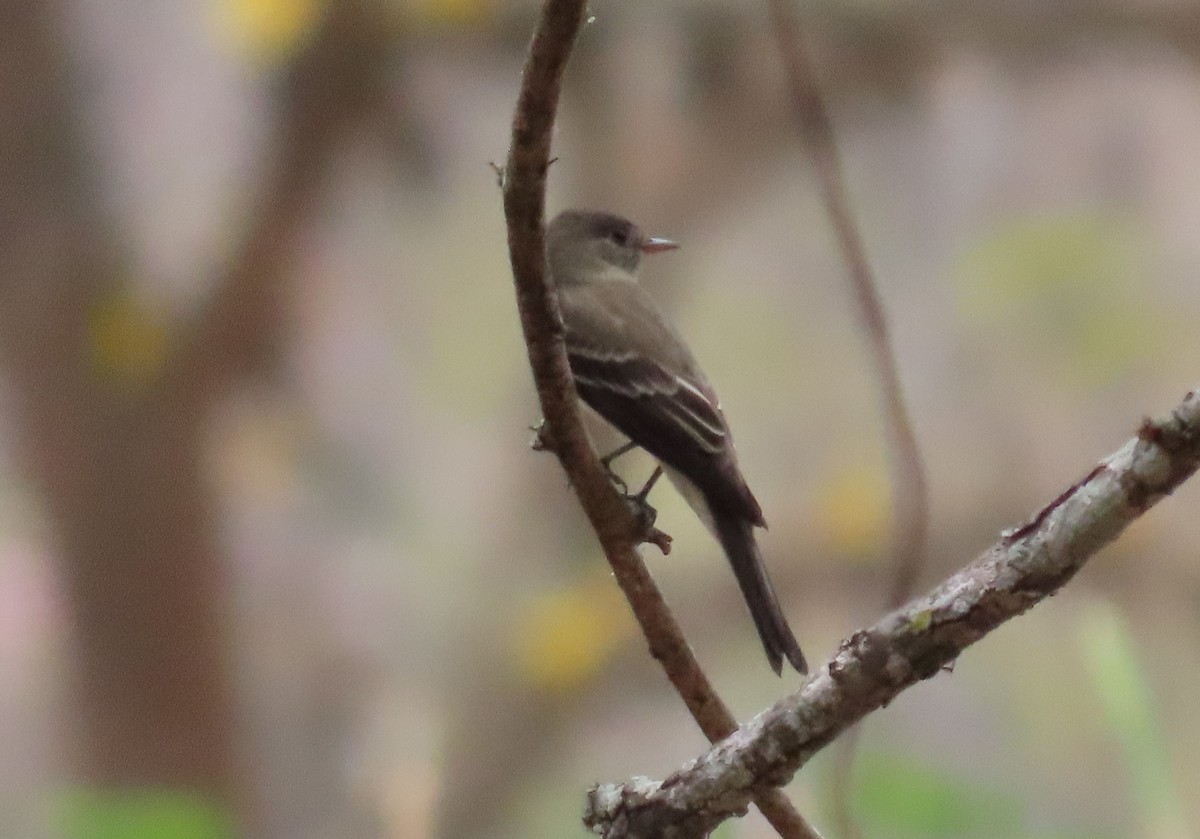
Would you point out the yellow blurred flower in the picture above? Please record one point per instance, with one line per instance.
(563, 638)
(268, 31)
(1067, 289)
(445, 12)
(853, 510)
(127, 341)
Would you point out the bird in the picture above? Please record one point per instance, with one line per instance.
(633, 368)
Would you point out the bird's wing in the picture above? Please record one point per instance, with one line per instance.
(645, 400)
(632, 368)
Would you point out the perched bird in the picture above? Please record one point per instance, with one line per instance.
(634, 370)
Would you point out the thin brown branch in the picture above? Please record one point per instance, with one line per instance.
(336, 80)
(909, 493)
(1028, 564)
(618, 531)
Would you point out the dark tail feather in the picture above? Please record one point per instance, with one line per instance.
(737, 538)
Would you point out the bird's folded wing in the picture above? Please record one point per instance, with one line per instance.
(660, 410)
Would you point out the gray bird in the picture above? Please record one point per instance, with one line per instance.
(634, 370)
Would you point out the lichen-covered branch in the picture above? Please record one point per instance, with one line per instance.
(1028, 564)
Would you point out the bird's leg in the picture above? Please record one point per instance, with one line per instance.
(647, 515)
(645, 491)
(617, 452)
(642, 511)
(607, 460)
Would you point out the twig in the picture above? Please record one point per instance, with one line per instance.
(1028, 564)
(909, 493)
(616, 528)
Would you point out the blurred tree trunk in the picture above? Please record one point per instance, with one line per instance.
(112, 417)
(120, 471)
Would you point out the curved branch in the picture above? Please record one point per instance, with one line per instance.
(910, 496)
(910, 492)
(524, 182)
(1028, 564)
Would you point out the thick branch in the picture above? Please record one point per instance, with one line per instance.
(1028, 564)
(618, 531)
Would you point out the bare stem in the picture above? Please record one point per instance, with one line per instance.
(617, 529)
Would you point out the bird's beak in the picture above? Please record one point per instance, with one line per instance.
(656, 245)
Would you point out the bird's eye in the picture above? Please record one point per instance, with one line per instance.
(618, 237)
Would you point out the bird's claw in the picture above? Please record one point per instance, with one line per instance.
(644, 516)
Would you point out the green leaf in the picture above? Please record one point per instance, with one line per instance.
(141, 814)
(1111, 657)
(1066, 289)
(901, 798)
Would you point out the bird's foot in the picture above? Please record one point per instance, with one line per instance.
(620, 484)
(607, 462)
(644, 517)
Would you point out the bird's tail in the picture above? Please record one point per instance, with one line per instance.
(737, 538)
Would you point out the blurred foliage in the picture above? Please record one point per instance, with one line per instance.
(268, 32)
(444, 13)
(565, 636)
(853, 510)
(271, 32)
(1124, 692)
(1068, 285)
(128, 341)
(901, 798)
(141, 814)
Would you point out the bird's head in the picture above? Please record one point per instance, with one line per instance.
(585, 241)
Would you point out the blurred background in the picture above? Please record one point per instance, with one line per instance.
(275, 558)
